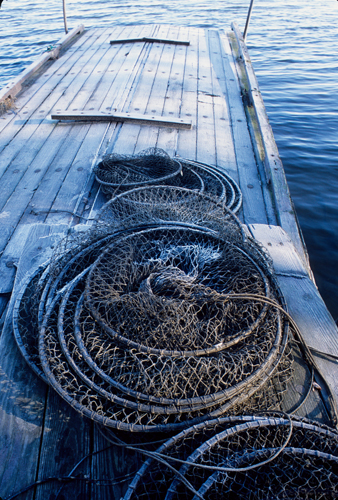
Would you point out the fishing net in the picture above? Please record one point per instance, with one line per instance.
(103, 348)
(123, 172)
(167, 204)
(249, 457)
(25, 320)
(119, 173)
(216, 183)
(162, 314)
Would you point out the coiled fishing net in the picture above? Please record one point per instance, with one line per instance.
(244, 457)
(169, 204)
(119, 173)
(139, 330)
(152, 166)
(164, 313)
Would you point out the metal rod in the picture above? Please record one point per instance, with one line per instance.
(65, 16)
(248, 20)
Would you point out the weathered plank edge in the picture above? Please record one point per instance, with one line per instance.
(14, 87)
(285, 211)
(161, 121)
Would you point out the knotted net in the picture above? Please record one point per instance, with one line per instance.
(248, 457)
(118, 173)
(162, 314)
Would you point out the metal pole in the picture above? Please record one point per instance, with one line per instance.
(248, 20)
(65, 15)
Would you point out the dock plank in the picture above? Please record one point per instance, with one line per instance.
(304, 302)
(186, 141)
(128, 133)
(70, 195)
(114, 464)
(73, 434)
(29, 142)
(55, 84)
(272, 161)
(10, 258)
(27, 98)
(206, 145)
(14, 87)
(249, 179)
(110, 66)
(225, 152)
(148, 135)
(46, 146)
(23, 394)
(171, 106)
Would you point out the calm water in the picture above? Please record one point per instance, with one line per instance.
(293, 46)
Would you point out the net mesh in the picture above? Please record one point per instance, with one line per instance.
(118, 173)
(152, 166)
(243, 457)
(162, 314)
(103, 348)
(169, 204)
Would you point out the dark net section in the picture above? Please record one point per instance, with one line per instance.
(168, 289)
(244, 457)
(162, 315)
(169, 204)
(153, 329)
(118, 173)
(152, 166)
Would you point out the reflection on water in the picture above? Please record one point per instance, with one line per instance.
(293, 46)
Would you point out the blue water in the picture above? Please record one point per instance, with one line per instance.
(293, 47)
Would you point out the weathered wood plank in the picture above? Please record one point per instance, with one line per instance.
(128, 133)
(46, 147)
(167, 138)
(10, 258)
(249, 180)
(286, 259)
(225, 152)
(14, 87)
(119, 78)
(29, 145)
(72, 433)
(19, 199)
(148, 136)
(301, 398)
(23, 394)
(316, 325)
(186, 141)
(78, 183)
(28, 101)
(304, 303)
(159, 121)
(273, 164)
(108, 65)
(116, 465)
(206, 145)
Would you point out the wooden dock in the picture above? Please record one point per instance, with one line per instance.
(191, 92)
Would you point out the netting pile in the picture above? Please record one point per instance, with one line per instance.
(243, 458)
(118, 173)
(163, 314)
(139, 330)
(168, 204)
(153, 166)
